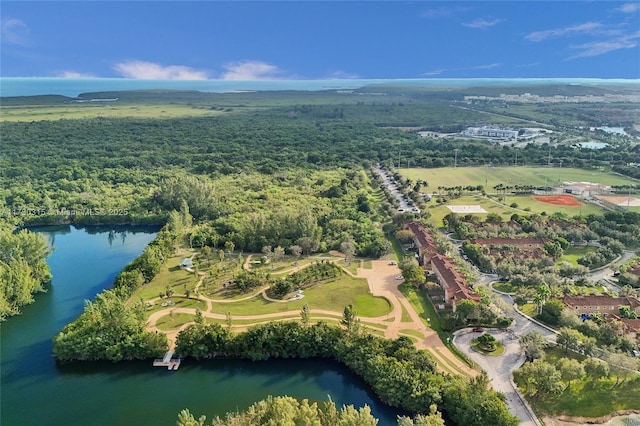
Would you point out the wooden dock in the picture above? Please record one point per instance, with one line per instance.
(168, 361)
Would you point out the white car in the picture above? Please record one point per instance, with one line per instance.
(393, 262)
(399, 277)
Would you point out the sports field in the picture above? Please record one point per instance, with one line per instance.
(525, 205)
(520, 175)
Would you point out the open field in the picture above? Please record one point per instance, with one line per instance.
(170, 276)
(526, 204)
(104, 110)
(572, 254)
(536, 206)
(520, 175)
(439, 211)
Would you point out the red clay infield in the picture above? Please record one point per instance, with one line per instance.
(558, 200)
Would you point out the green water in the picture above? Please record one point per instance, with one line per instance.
(34, 390)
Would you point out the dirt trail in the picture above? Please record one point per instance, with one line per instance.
(382, 283)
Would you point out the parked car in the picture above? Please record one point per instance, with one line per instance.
(478, 330)
(399, 277)
(393, 262)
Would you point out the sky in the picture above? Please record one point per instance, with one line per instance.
(307, 40)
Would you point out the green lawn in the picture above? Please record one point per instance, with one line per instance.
(528, 309)
(169, 276)
(423, 307)
(439, 211)
(411, 332)
(497, 352)
(588, 399)
(572, 254)
(178, 302)
(111, 110)
(173, 321)
(521, 175)
(334, 296)
(505, 287)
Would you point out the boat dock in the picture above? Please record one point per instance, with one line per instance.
(167, 361)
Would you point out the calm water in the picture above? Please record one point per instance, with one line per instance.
(18, 86)
(36, 391)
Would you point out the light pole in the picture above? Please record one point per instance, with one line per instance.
(559, 170)
(455, 161)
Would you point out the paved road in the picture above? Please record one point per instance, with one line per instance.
(604, 275)
(500, 368)
(390, 183)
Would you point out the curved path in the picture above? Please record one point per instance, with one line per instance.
(382, 283)
(500, 369)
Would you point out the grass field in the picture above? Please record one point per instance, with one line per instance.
(332, 296)
(505, 287)
(423, 307)
(521, 175)
(505, 211)
(111, 110)
(572, 254)
(439, 211)
(169, 276)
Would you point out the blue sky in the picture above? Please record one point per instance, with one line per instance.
(320, 40)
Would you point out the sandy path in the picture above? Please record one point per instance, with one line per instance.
(381, 283)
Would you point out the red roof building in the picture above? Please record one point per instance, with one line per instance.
(454, 285)
(424, 241)
(602, 303)
(522, 243)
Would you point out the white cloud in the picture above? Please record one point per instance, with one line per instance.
(434, 72)
(532, 64)
(151, 71)
(628, 8)
(251, 70)
(586, 28)
(487, 66)
(597, 48)
(342, 75)
(14, 31)
(476, 67)
(74, 74)
(482, 23)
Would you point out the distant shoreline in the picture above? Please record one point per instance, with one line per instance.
(72, 87)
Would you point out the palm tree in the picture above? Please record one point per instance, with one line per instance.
(542, 294)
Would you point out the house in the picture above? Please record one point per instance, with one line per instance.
(452, 282)
(604, 304)
(186, 263)
(521, 243)
(631, 326)
(424, 242)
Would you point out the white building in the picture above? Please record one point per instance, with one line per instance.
(491, 133)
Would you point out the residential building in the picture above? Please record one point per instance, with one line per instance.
(604, 304)
(424, 242)
(452, 282)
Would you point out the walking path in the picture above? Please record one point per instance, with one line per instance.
(382, 283)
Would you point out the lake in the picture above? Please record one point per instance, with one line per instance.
(36, 390)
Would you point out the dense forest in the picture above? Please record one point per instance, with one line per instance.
(281, 170)
(23, 269)
(400, 375)
(107, 168)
